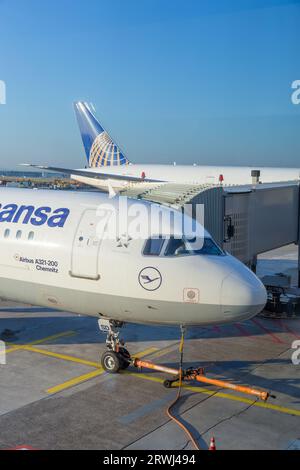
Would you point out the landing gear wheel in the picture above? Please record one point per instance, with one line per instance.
(125, 358)
(111, 362)
(168, 383)
(117, 357)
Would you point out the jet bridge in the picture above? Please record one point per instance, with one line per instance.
(179, 196)
(263, 217)
(244, 220)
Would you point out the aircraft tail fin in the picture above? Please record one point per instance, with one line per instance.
(99, 147)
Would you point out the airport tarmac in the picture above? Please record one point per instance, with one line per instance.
(55, 395)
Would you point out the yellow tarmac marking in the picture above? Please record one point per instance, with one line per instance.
(64, 357)
(165, 351)
(91, 375)
(40, 341)
(154, 352)
(146, 352)
(75, 381)
(226, 396)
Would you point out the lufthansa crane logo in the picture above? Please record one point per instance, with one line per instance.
(150, 278)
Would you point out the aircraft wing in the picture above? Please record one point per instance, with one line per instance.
(94, 175)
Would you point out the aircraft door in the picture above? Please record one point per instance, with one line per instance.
(86, 245)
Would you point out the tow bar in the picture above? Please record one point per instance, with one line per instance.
(199, 375)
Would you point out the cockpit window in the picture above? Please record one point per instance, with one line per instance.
(153, 246)
(182, 247)
(175, 247)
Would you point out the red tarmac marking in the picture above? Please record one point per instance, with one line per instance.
(244, 331)
(286, 328)
(273, 336)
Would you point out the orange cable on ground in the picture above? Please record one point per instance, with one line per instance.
(170, 415)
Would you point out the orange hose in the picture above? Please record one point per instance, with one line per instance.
(170, 415)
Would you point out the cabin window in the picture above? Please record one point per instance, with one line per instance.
(153, 246)
(6, 233)
(183, 247)
(31, 236)
(18, 234)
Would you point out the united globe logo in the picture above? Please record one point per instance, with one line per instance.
(105, 153)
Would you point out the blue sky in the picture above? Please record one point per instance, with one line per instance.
(186, 81)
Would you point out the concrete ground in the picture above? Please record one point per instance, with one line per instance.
(54, 394)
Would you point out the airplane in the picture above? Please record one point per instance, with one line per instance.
(109, 169)
(60, 249)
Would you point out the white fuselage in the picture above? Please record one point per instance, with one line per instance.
(51, 254)
(189, 174)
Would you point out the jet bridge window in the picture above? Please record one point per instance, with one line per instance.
(153, 246)
(183, 247)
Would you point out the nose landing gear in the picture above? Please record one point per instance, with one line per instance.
(116, 357)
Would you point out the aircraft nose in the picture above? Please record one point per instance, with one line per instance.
(242, 296)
